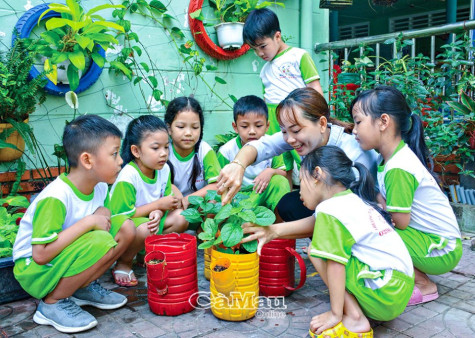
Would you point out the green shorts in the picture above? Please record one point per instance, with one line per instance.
(80, 255)
(270, 197)
(423, 246)
(275, 128)
(384, 303)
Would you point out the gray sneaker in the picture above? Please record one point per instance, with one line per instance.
(65, 316)
(95, 295)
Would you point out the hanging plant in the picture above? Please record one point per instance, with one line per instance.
(385, 3)
(335, 4)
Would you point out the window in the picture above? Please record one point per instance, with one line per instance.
(354, 31)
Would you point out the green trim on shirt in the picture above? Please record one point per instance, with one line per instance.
(222, 160)
(343, 193)
(401, 187)
(308, 70)
(211, 167)
(76, 191)
(239, 142)
(281, 53)
(181, 158)
(48, 220)
(399, 147)
(142, 176)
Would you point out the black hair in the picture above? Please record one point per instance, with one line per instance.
(389, 100)
(137, 130)
(260, 24)
(86, 133)
(338, 168)
(250, 104)
(176, 106)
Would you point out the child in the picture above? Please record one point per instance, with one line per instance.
(65, 240)
(358, 255)
(420, 211)
(194, 164)
(287, 68)
(143, 191)
(266, 177)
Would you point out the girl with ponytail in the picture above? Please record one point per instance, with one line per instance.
(356, 252)
(194, 164)
(420, 211)
(144, 191)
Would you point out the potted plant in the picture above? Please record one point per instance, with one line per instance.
(18, 97)
(335, 4)
(12, 210)
(75, 40)
(232, 14)
(233, 297)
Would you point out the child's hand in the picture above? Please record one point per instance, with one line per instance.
(262, 180)
(103, 211)
(155, 217)
(169, 203)
(100, 222)
(324, 322)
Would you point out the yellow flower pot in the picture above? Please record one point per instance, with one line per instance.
(207, 255)
(9, 154)
(243, 301)
(223, 280)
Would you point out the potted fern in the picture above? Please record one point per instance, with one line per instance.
(19, 97)
(234, 283)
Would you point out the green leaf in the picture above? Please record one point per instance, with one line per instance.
(250, 246)
(211, 67)
(153, 80)
(73, 76)
(208, 208)
(108, 24)
(196, 14)
(4, 144)
(205, 245)
(211, 195)
(468, 102)
(158, 5)
(17, 201)
(195, 200)
(218, 240)
(157, 94)
(191, 215)
(264, 216)
(247, 216)
(145, 66)
(82, 41)
(137, 80)
(53, 23)
(121, 67)
(101, 7)
(231, 234)
(133, 36)
(204, 236)
(177, 33)
(137, 50)
(210, 226)
(219, 80)
(224, 213)
(77, 59)
(233, 98)
(217, 207)
(98, 59)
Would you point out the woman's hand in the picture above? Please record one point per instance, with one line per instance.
(229, 181)
(155, 217)
(324, 322)
(263, 234)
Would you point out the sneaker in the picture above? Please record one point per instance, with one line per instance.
(95, 295)
(65, 316)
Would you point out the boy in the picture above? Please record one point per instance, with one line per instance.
(65, 241)
(267, 177)
(287, 68)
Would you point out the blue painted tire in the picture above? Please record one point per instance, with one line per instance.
(25, 25)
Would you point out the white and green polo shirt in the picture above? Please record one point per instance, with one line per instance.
(56, 208)
(133, 189)
(183, 166)
(228, 151)
(409, 188)
(291, 69)
(346, 226)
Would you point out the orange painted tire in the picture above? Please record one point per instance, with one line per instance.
(204, 41)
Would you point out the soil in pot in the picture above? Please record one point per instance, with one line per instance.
(219, 268)
(155, 261)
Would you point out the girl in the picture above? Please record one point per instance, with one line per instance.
(358, 255)
(420, 211)
(306, 125)
(143, 190)
(194, 164)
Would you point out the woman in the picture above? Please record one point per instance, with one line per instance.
(306, 125)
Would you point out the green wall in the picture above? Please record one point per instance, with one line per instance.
(117, 99)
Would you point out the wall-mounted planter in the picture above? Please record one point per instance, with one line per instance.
(25, 25)
(204, 41)
(230, 34)
(10, 154)
(335, 4)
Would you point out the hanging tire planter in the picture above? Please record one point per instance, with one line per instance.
(204, 41)
(25, 25)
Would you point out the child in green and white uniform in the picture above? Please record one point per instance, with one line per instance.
(65, 239)
(355, 250)
(286, 69)
(421, 212)
(194, 164)
(143, 191)
(267, 178)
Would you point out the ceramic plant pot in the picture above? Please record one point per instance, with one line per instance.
(230, 34)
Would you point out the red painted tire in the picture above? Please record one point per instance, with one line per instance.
(203, 40)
